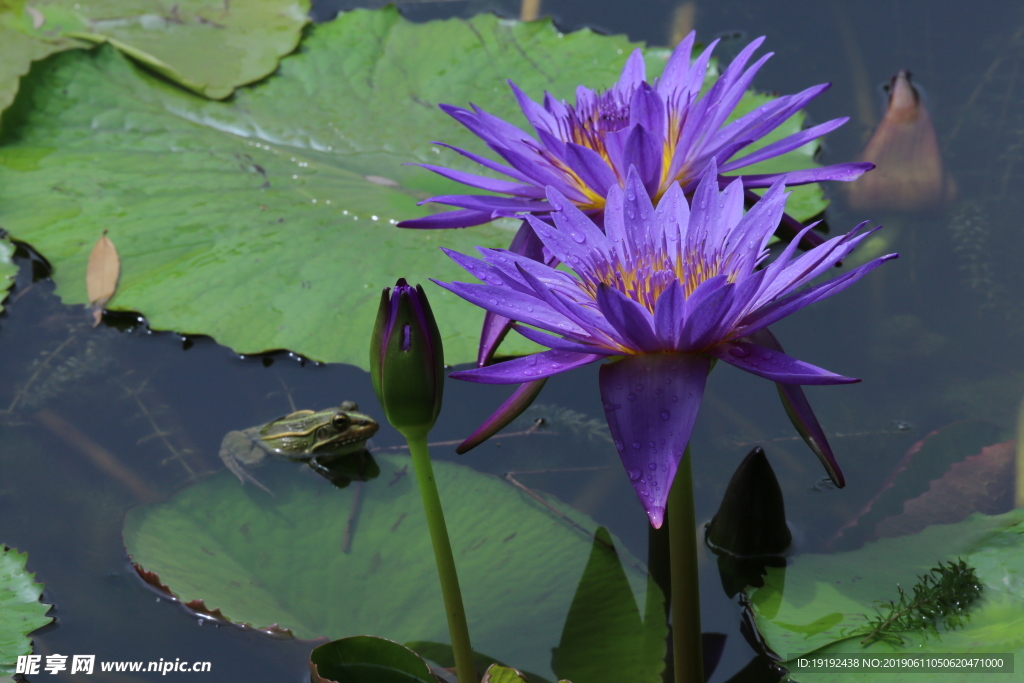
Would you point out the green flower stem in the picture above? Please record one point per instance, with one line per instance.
(687, 647)
(453, 608)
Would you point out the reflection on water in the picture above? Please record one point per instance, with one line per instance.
(99, 420)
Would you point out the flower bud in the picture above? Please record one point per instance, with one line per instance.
(406, 360)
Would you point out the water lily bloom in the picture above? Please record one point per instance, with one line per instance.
(662, 292)
(407, 359)
(668, 131)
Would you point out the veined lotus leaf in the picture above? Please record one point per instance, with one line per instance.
(816, 603)
(279, 559)
(209, 46)
(20, 609)
(267, 221)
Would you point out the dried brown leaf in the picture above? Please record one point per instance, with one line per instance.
(102, 273)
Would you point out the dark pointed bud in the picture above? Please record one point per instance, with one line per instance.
(751, 521)
(406, 360)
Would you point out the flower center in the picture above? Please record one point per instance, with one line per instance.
(646, 276)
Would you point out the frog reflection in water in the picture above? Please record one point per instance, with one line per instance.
(332, 442)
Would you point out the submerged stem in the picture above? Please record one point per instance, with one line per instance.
(687, 648)
(453, 608)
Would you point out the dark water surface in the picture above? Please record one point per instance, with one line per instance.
(933, 335)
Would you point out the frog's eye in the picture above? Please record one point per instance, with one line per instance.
(341, 422)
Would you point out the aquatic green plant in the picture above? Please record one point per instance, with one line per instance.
(943, 596)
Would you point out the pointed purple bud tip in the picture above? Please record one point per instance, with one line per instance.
(657, 516)
(407, 359)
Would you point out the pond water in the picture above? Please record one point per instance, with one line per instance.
(933, 336)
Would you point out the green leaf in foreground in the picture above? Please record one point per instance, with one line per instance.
(819, 602)
(367, 659)
(278, 559)
(7, 269)
(267, 221)
(20, 609)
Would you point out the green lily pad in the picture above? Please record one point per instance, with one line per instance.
(7, 269)
(23, 42)
(267, 221)
(20, 609)
(265, 560)
(367, 659)
(209, 46)
(816, 603)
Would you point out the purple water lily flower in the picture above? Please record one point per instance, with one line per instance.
(662, 292)
(667, 131)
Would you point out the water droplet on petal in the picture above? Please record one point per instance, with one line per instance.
(636, 445)
(652, 466)
(634, 474)
(665, 415)
(739, 351)
(631, 396)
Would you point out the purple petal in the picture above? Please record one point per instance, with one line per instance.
(539, 117)
(492, 130)
(801, 415)
(787, 144)
(485, 183)
(643, 150)
(559, 343)
(580, 229)
(673, 215)
(705, 198)
(777, 310)
(493, 332)
(673, 79)
(842, 172)
(669, 312)
(591, 168)
(512, 408)
(630, 320)
(449, 219)
(480, 202)
(615, 223)
(640, 217)
(487, 163)
(634, 72)
(527, 369)
(563, 247)
(651, 403)
(774, 365)
(647, 109)
(511, 304)
(703, 316)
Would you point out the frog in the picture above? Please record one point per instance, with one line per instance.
(322, 439)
